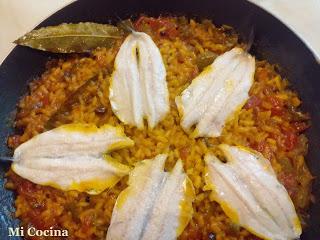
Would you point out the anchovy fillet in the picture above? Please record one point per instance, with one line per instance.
(247, 189)
(71, 157)
(138, 87)
(156, 205)
(216, 94)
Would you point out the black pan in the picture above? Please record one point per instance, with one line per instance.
(273, 41)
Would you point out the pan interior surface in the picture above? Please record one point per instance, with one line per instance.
(273, 41)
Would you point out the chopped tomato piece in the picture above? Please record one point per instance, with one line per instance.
(290, 140)
(26, 188)
(162, 26)
(300, 126)
(45, 101)
(14, 141)
(87, 222)
(260, 146)
(263, 148)
(262, 73)
(184, 152)
(277, 106)
(289, 181)
(37, 220)
(277, 111)
(254, 101)
(193, 233)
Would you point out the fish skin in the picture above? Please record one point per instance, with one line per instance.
(248, 191)
(215, 95)
(138, 88)
(72, 156)
(150, 207)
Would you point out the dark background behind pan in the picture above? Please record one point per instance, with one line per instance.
(273, 41)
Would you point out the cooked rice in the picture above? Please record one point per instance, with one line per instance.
(257, 125)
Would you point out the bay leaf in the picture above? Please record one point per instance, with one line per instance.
(126, 25)
(205, 59)
(71, 37)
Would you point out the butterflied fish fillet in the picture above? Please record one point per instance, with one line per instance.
(216, 94)
(156, 205)
(138, 88)
(71, 157)
(247, 189)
